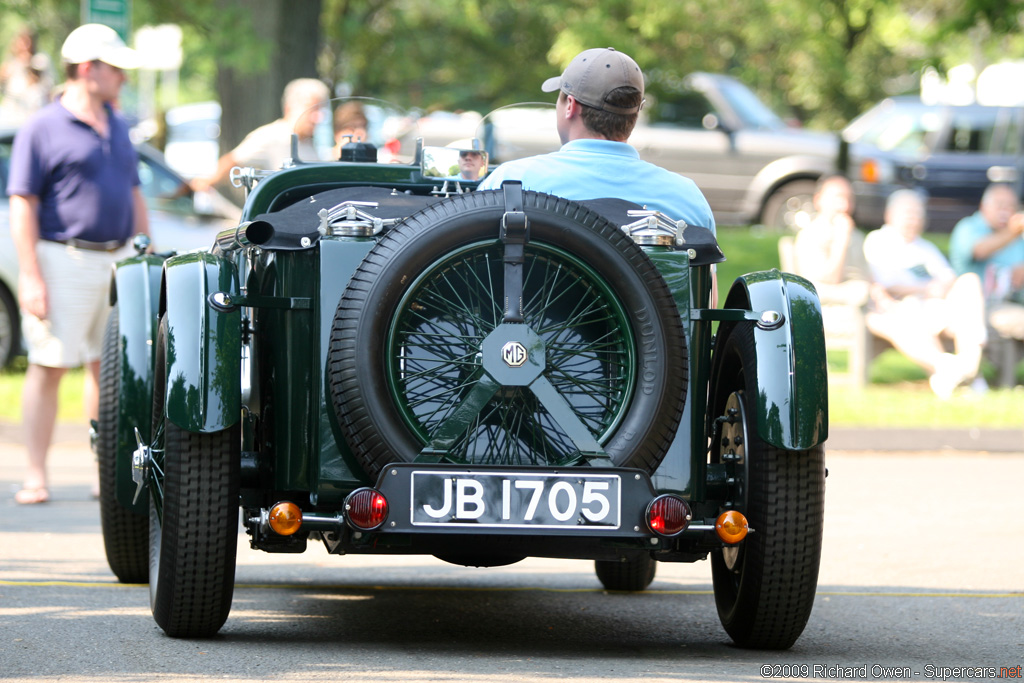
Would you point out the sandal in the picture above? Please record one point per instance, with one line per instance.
(32, 496)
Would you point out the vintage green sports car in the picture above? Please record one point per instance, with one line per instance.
(383, 360)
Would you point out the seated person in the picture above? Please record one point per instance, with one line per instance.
(917, 297)
(350, 124)
(989, 243)
(829, 250)
(600, 95)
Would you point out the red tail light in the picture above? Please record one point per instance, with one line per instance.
(366, 509)
(668, 515)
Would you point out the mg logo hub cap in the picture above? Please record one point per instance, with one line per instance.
(514, 354)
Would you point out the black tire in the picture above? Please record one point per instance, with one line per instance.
(10, 327)
(765, 586)
(787, 202)
(374, 304)
(125, 532)
(193, 521)
(633, 574)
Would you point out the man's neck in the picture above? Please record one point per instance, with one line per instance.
(85, 106)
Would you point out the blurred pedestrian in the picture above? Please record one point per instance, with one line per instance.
(26, 80)
(600, 95)
(270, 146)
(75, 203)
(829, 250)
(918, 297)
(989, 243)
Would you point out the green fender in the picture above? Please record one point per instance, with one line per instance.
(136, 291)
(792, 374)
(204, 343)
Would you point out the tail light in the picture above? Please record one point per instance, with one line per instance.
(668, 515)
(366, 509)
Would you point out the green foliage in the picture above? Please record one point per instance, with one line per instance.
(825, 62)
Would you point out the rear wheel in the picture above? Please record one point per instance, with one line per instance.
(632, 574)
(765, 585)
(193, 520)
(125, 532)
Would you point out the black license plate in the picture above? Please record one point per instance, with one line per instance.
(512, 499)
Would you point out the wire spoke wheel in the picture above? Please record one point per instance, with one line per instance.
(435, 342)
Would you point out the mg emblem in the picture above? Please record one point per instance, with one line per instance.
(514, 354)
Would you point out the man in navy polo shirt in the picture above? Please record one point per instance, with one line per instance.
(75, 203)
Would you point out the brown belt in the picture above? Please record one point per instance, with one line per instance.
(109, 245)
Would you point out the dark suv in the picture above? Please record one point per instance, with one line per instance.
(951, 152)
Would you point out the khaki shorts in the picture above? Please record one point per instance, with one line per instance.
(77, 296)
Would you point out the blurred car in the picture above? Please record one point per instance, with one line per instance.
(950, 152)
(193, 134)
(179, 220)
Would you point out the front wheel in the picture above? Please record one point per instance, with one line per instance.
(194, 488)
(764, 586)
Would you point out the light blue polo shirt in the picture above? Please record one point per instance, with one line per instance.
(966, 234)
(595, 169)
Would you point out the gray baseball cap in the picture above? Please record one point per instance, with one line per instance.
(594, 73)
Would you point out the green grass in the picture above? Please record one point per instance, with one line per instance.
(898, 395)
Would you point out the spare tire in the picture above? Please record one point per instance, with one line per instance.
(405, 348)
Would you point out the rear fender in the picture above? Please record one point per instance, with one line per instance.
(792, 375)
(203, 343)
(136, 291)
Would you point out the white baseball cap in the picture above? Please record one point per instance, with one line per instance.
(91, 42)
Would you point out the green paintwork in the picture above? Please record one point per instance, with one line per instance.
(136, 291)
(792, 379)
(290, 185)
(676, 471)
(203, 343)
(337, 471)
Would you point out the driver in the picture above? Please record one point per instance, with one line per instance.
(471, 162)
(600, 96)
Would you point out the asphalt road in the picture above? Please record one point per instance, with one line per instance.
(921, 568)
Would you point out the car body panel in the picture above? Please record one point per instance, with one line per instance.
(792, 373)
(136, 291)
(203, 392)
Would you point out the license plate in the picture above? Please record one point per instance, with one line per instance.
(510, 499)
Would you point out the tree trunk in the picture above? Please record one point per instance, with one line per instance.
(291, 32)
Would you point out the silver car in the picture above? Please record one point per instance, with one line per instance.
(179, 220)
